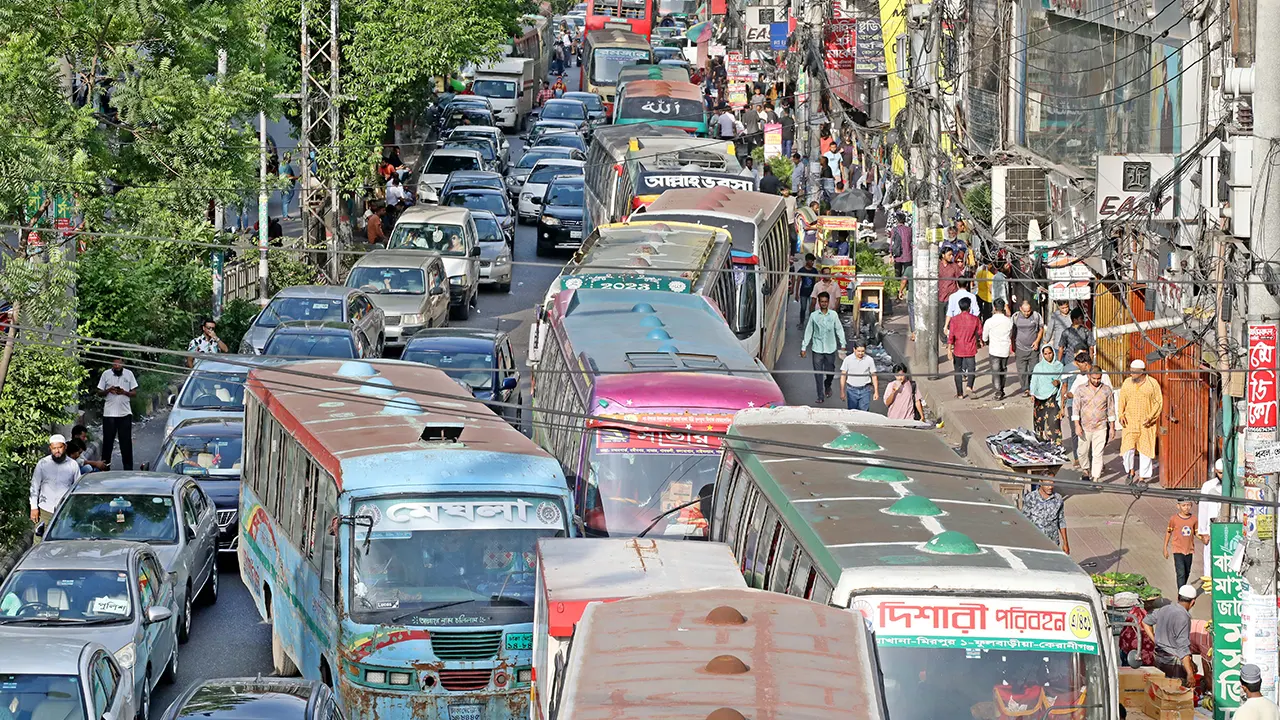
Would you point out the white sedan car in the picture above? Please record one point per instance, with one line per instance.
(535, 186)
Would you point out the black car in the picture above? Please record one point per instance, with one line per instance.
(209, 450)
(560, 215)
(257, 698)
(320, 339)
(575, 111)
(481, 359)
(472, 179)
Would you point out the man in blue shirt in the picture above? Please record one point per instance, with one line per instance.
(826, 334)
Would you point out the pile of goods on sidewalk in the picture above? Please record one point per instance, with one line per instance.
(1120, 589)
(1019, 448)
(1147, 694)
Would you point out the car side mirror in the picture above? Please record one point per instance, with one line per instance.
(510, 383)
(172, 398)
(158, 614)
(145, 467)
(475, 252)
(191, 533)
(437, 290)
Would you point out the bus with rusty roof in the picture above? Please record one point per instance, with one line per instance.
(628, 393)
(389, 531)
(974, 612)
(719, 654)
(761, 231)
(574, 573)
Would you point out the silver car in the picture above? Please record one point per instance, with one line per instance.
(535, 186)
(495, 251)
(112, 591)
(169, 512)
(450, 233)
(518, 172)
(489, 132)
(214, 389)
(314, 302)
(411, 288)
(46, 678)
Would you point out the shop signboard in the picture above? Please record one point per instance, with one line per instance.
(772, 140)
(1225, 540)
(1260, 394)
(779, 32)
(1125, 183)
(869, 59)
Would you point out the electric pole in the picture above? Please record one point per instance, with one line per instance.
(320, 123)
(923, 167)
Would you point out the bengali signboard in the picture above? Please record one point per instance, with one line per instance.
(687, 433)
(1261, 388)
(987, 623)
(841, 44)
(1258, 635)
(1225, 539)
(869, 59)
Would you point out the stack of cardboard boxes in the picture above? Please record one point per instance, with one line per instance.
(1146, 692)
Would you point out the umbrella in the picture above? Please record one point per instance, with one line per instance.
(851, 201)
(699, 33)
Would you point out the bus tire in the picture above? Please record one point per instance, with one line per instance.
(280, 660)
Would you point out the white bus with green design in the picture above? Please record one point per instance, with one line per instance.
(975, 613)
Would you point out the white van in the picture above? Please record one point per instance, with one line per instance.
(451, 232)
(509, 85)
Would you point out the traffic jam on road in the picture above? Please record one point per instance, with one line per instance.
(548, 448)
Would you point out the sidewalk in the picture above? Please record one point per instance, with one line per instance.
(1114, 531)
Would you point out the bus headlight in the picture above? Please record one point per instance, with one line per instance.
(375, 677)
(399, 678)
(524, 676)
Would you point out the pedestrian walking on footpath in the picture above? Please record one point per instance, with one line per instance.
(1028, 331)
(117, 386)
(826, 284)
(825, 334)
(1093, 412)
(1181, 535)
(289, 174)
(1076, 339)
(1047, 510)
(51, 480)
(1206, 513)
(1046, 378)
(997, 335)
(964, 337)
(949, 270)
(953, 303)
(1138, 409)
(1255, 706)
(903, 251)
(1169, 628)
(806, 278)
(858, 382)
(1058, 323)
(901, 398)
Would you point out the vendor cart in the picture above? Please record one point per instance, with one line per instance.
(1020, 451)
(868, 300)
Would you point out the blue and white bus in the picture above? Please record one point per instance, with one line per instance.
(389, 525)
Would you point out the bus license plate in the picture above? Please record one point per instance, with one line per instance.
(575, 234)
(466, 712)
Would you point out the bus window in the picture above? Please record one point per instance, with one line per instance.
(744, 281)
(821, 591)
(755, 525)
(779, 570)
(765, 562)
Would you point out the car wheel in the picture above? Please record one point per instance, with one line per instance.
(184, 621)
(170, 675)
(144, 700)
(211, 587)
(280, 660)
(504, 287)
(463, 310)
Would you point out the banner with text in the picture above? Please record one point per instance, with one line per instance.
(988, 623)
(1225, 539)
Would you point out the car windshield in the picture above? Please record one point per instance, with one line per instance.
(531, 158)
(493, 202)
(202, 455)
(42, 696)
(933, 683)
(92, 516)
(388, 280)
(666, 53)
(544, 174)
(627, 491)
(562, 139)
(447, 562)
(445, 164)
(473, 116)
(286, 309)
(591, 100)
(494, 88)
(565, 194)
(444, 239)
(473, 369)
(213, 391)
(484, 147)
(311, 344)
(606, 63)
(80, 596)
(489, 229)
(569, 110)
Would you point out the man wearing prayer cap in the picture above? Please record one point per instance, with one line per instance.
(1138, 408)
(1207, 513)
(1169, 628)
(1255, 706)
(52, 479)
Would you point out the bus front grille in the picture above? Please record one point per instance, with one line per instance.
(466, 645)
(465, 680)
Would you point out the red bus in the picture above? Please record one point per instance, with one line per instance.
(633, 15)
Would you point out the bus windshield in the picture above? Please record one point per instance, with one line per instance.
(635, 476)
(607, 62)
(466, 562)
